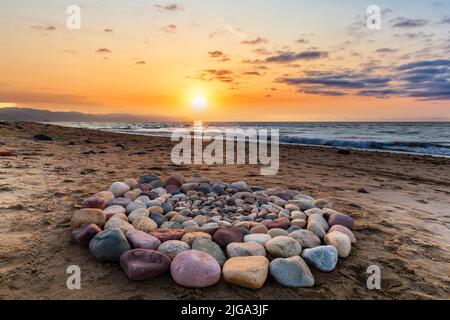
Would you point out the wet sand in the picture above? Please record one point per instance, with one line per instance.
(400, 203)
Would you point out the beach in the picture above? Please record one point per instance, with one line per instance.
(400, 204)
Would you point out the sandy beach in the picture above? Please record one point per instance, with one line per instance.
(400, 204)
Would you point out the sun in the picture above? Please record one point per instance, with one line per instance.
(199, 103)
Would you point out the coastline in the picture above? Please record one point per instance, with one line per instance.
(399, 202)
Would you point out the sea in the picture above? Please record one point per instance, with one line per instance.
(428, 138)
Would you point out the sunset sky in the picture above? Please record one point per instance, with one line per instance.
(252, 60)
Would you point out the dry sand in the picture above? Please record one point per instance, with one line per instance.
(402, 223)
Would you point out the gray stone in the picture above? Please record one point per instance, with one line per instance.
(291, 272)
(323, 258)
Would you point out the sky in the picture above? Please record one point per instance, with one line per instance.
(252, 60)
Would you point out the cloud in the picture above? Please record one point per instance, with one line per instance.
(285, 57)
(445, 20)
(41, 97)
(108, 30)
(171, 28)
(255, 41)
(103, 51)
(386, 50)
(142, 62)
(223, 75)
(219, 55)
(262, 51)
(426, 63)
(252, 61)
(43, 28)
(408, 23)
(169, 7)
(251, 73)
(302, 40)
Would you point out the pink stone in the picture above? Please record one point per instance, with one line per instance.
(141, 240)
(164, 234)
(344, 230)
(174, 181)
(141, 264)
(95, 203)
(84, 234)
(277, 224)
(195, 269)
(340, 219)
(224, 236)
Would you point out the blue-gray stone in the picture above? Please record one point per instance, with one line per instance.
(152, 203)
(147, 178)
(204, 188)
(186, 213)
(123, 202)
(306, 206)
(323, 258)
(217, 189)
(108, 245)
(167, 207)
(172, 225)
(211, 248)
(293, 228)
(291, 272)
(158, 218)
(158, 184)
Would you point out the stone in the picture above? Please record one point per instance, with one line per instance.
(144, 224)
(118, 189)
(133, 194)
(324, 258)
(116, 223)
(236, 249)
(258, 238)
(141, 240)
(147, 178)
(84, 234)
(291, 207)
(340, 219)
(307, 239)
(195, 269)
(283, 247)
(189, 224)
(156, 209)
(345, 230)
(113, 210)
(190, 237)
(240, 186)
(189, 186)
(248, 272)
(298, 215)
(142, 264)
(109, 245)
(87, 216)
(224, 236)
(317, 218)
(171, 225)
(94, 203)
(143, 198)
(316, 228)
(158, 218)
(278, 224)
(340, 241)
(168, 234)
(293, 228)
(211, 248)
(141, 212)
(314, 211)
(259, 229)
(167, 207)
(123, 202)
(120, 216)
(173, 189)
(322, 203)
(132, 183)
(172, 248)
(107, 195)
(291, 272)
(158, 184)
(174, 181)
(135, 205)
(159, 191)
(276, 232)
(298, 222)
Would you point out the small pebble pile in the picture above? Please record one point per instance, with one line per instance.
(201, 231)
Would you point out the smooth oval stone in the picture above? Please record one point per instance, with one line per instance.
(147, 178)
(340, 219)
(116, 223)
(277, 224)
(120, 216)
(142, 264)
(172, 248)
(189, 186)
(277, 232)
(144, 199)
(298, 222)
(345, 230)
(135, 205)
(168, 234)
(107, 195)
(236, 249)
(211, 248)
(307, 239)
(84, 234)
(156, 209)
(306, 205)
(94, 203)
(167, 207)
(293, 228)
(323, 258)
(340, 241)
(172, 189)
(87, 216)
(189, 223)
(109, 245)
(322, 203)
(141, 212)
(283, 247)
(291, 207)
(316, 228)
(240, 186)
(171, 225)
(314, 211)
(113, 210)
(141, 240)
(174, 181)
(298, 215)
(247, 272)
(123, 202)
(195, 269)
(158, 184)
(179, 218)
(224, 236)
(132, 183)
(317, 218)
(118, 189)
(144, 224)
(190, 237)
(153, 203)
(133, 194)
(258, 238)
(259, 229)
(291, 272)
(158, 218)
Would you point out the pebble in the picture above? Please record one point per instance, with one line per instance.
(322, 203)
(211, 248)
(259, 229)
(142, 264)
(316, 228)
(94, 203)
(298, 222)
(109, 245)
(236, 249)
(248, 272)
(195, 269)
(283, 247)
(120, 216)
(276, 232)
(277, 224)
(118, 189)
(147, 178)
(258, 238)
(135, 205)
(307, 239)
(345, 230)
(172, 248)
(133, 194)
(132, 183)
(156, 209)
(141, 212)
(171, 225)
(113, 210)
(240, 185)
(190, 237)
(116, 223)
(107, 195)
(340, 219)
(141, 240)
(84, 234)
(158, 218)
(224, 236)
(324, 258)
(298, 215)
(317, 218)
(123, 202)
(87, 216)
(168, 234)
(341, 241)
(291, 272)
(144, 224)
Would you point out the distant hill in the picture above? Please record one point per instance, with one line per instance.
(36, 115)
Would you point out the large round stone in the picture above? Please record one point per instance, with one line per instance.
(141, 240)
(84, 234)
(247, 272)
(87, 216)
(117, 223)
(94, 203)
(144, 224)
(224, 236)
(340, 219)
(142, 212)
(142, 264)
(118, 189)
(277, 224)
(172, 248)
(113, 210)
(283, 247)
(345, 230)
(211, 248)
(307, 239)
(108, 196)
(323, 258)
(341, 241)
(291, 272)
(109, 245)
(135, 205)
(277, 232)
(190, 237)
(236, 249)
(195, 269)
(258, 238)
(158, 218)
